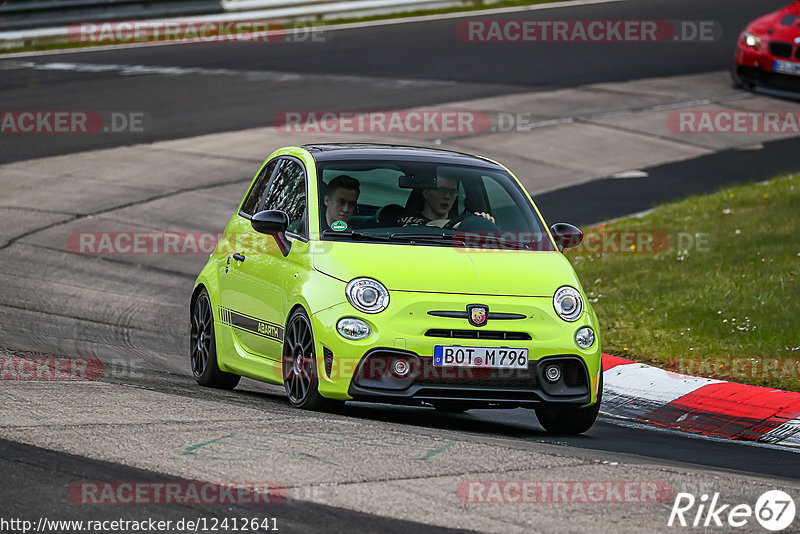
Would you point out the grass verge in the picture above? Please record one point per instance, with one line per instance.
(722, 300)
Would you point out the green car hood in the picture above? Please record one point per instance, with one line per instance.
(446, 269)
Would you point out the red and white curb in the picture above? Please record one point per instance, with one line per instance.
(703, 405)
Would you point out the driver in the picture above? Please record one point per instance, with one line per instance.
(438, 203)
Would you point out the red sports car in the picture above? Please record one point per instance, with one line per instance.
(768, 53)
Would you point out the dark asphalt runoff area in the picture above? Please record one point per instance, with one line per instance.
(609, 198)
(385, 67)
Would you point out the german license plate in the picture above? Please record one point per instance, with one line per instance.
(786, 67)
(458, 356)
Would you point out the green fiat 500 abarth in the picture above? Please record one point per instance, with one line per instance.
(398, 275)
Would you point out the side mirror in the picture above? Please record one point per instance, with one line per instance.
(566, 235)
(270, 222)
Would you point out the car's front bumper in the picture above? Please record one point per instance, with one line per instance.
(755, 71)
(374, 381)
(406, 329)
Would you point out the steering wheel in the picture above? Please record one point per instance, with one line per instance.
(457, 219)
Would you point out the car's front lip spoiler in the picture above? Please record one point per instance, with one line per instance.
(790, 95)
(419, 393)
(758, 87)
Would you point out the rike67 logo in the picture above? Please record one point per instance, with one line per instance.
(774, 510)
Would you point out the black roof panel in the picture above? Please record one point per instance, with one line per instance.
(375, 151)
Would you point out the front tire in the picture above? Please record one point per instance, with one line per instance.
(203, 347)
(300, 365)
(570, 421)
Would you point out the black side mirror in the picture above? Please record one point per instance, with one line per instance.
(270, 222)
(566, 235)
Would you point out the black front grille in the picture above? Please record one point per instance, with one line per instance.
(783, 82)
(481, 377)
(574, 373)
(780, 49)
(797, 54)
(478, 334)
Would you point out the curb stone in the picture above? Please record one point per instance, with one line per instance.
(702, 405)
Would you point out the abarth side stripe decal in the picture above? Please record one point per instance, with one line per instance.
(251, 325)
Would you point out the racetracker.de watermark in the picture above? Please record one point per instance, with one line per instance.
(177, 493)
(740, 368)
(14, 367)
(735, 122)
(431, 121)
(383, 122)
(563, 492)
(595, 241)
(145, 31)
(31, 367)
(588, 31)
(73, 122)
(141, 242)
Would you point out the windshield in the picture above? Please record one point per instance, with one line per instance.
(427, 204)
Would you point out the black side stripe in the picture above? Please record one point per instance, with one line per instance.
(251, 324)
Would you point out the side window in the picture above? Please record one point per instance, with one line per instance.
(287, 192)
(251, 203)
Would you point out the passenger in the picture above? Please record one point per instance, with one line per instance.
(341, 199)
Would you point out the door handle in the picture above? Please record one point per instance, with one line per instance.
(238, 257)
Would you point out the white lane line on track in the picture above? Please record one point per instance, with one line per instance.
(249, 15)
(250, 75)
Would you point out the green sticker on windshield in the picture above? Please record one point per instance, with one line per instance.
(338, 226)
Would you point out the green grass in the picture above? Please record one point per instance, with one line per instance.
(477, 5)
(729, 309)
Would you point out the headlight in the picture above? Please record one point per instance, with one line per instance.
(568, 303)
(367, 295)
(584, 337)
(352, 328)
(751, 40)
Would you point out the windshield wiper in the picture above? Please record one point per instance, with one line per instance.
(435, 238)
(355, 234)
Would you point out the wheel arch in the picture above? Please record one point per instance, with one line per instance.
(294, 308)
(195, 294)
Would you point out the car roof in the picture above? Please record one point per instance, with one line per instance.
(380, 152)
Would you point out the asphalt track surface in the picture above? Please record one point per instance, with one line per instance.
(31, 501)
(442, 69)
(374, 68)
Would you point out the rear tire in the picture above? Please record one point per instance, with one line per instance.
(570, 421)
(203, 347)
(300, 365)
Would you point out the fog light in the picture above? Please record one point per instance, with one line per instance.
(401, 368)
(352, 328)
(584, 337)
(552, 373)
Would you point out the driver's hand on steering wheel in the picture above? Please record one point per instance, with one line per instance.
(485, 216)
